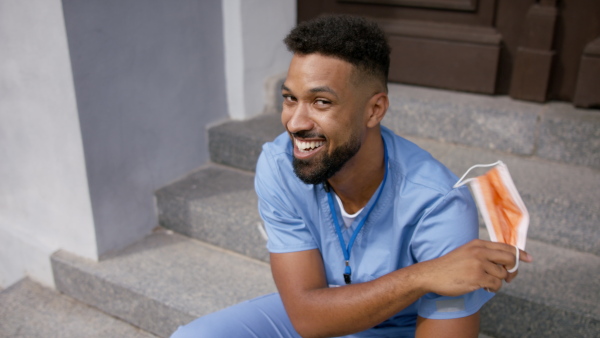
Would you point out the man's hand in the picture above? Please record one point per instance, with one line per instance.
(477, 264)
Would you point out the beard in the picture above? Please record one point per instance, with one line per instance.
(319, 170)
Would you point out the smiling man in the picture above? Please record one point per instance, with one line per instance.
(368, 237)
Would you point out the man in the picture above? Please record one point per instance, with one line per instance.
(367, 236)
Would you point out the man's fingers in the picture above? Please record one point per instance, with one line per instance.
(495, 270)
(504, 260)
(501, 256)
(512, 276)
(492, 284)
(508, 256)
(525, 257)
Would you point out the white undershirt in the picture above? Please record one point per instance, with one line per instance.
(348, 219)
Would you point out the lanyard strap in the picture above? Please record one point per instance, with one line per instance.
(347, 249)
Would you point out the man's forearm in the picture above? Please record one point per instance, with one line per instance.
(319, 311)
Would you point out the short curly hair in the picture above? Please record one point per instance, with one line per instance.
(350, 38)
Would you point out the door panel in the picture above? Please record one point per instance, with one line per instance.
(461, 5)
(530, 49)
(439, 43)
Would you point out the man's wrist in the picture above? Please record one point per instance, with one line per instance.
(417, 279)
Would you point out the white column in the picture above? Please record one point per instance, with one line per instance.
(254, 50)
(44, 197)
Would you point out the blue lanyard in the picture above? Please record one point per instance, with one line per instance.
(346, 249)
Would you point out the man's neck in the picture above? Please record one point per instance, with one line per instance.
(358, 180)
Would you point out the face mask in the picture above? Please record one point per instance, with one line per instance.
(500, 204)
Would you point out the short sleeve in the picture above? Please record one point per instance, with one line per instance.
(448, 224)
(285, 228)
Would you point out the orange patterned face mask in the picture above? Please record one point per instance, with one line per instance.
(500, 204)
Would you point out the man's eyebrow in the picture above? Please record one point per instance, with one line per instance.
(324, 89)
(314, 90)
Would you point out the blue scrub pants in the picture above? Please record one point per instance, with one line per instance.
(265, 317)
(262, 317)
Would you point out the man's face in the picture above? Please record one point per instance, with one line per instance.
(323, 111)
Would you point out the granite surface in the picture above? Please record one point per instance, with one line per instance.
(28, 309)
(238, 143)
(557, 278)
(505, 316)
(163, 281)
(496, 123)
(570, 135)
(217, 205)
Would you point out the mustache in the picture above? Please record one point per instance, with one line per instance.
(307, 134)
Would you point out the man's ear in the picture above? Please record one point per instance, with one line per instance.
(378, 105)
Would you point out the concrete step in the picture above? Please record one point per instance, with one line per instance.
(554, 131)
(561, 198)
(28, 309)
(238, 143)
(218, 205)
(556, 295)
(163, 281)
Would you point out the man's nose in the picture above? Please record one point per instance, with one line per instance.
(299, 119)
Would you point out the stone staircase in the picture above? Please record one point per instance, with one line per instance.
(208, 252)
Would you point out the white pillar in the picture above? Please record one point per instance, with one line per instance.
(44, 197)
(254, 50)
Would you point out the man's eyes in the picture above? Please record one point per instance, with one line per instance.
(322, 102)
(317, 102)
(288, 97)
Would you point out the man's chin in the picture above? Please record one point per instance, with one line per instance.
(306, 172)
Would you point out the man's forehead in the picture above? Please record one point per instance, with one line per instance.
(317, 73)
(317, 60)
(317, 89)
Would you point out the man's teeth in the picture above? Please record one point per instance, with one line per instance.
(307, 146)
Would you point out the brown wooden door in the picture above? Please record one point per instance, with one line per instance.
(530, 49)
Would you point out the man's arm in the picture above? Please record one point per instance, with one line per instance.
(318, 311)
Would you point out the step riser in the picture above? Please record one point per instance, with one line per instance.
(508, 316)
(163, 281)
(496, 127)
(219, 207)
(121, 302)
(238, 144)
(563, 223)
(28, 309)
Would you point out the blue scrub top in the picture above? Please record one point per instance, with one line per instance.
(418, 217)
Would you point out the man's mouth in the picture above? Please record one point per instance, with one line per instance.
(308, 146)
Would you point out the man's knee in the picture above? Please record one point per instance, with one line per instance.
(262, 316)
(199, 328)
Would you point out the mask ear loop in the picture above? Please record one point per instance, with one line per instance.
(462, 181)
(516, 267)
